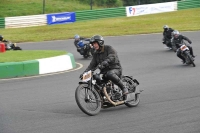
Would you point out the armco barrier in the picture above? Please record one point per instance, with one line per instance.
(36, 67)
(101, 13)
(2, 23)
(25, 21)
(186, 4)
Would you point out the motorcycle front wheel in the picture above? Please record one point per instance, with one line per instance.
(191, 60)
(88, 100)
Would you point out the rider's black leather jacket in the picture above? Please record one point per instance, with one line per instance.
(179, 40)
(167, 34)
(107, 53)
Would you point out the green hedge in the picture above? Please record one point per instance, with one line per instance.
(186, 4)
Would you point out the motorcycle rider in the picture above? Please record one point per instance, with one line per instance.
(177, 40)
(2, 39)
(77, 39)
(5, 42)
(167, 35)
(109, 62)
(9, 45)
(78, 42)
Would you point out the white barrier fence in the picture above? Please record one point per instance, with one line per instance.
(25, 21)
(151, 9)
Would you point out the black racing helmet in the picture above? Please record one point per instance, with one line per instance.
(97, 38)
(1, 38)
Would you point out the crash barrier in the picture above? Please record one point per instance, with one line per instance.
(2, 48)
(25, 21)
(2, 22)
(38, 20)
(186, 4)
(37, 67)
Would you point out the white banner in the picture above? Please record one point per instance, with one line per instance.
(150, 9)
(25, 21)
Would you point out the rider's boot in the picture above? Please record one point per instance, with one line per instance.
(116, 80)
(123, 87)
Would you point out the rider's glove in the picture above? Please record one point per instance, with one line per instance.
(104, 63)
(101, 67)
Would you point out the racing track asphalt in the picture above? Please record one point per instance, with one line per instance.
(169, 102)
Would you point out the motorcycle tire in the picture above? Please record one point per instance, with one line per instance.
(89, 101)
(136, 100)
(191, 60)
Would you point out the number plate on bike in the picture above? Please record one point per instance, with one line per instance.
(87, 76)
(184, 47)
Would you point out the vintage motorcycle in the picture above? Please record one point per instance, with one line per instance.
(95, 93)
(85, 49)
(185, 52)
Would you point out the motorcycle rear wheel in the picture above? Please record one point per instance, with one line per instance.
(135, 102)
(88, 101)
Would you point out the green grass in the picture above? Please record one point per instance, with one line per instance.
(183, 20)
(24, 55)
(11, 8)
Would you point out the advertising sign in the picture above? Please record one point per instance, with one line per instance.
(150, 9)
(61, 18)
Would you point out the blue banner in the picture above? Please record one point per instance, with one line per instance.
(61, 18)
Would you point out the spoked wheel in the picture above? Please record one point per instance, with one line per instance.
(134, 96)
(88, 101)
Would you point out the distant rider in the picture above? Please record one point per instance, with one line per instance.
(77, 39)
(177, 41)
(79, 44)
(167, 35)
(5, 42)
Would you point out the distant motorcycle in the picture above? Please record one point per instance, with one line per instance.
(185, 52)
(85, 49)
(94, 93)
(11, 46)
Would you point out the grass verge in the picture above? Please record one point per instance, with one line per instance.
(24, 55)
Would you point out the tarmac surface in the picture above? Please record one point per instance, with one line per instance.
(170, 102)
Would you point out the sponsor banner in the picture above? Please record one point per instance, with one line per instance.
(61, 18)
(150, 9)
